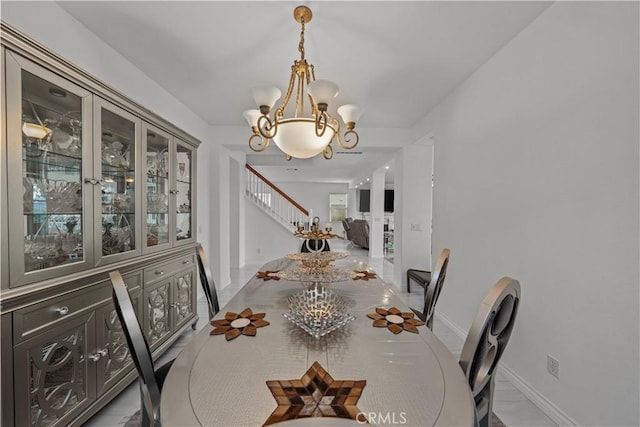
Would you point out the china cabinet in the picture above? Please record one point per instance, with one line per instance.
(91, 182)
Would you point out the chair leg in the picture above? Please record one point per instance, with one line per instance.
(144, 415)
(408, 283)
(430, 323)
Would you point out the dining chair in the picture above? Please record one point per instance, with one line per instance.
(486, 341)
(206, 279)
(432, 290)
(151, 379)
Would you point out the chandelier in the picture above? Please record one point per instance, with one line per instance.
(301, 136)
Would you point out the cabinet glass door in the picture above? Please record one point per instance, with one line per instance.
(47, 140)
(156, 202)
(116, 162)
(184, 178)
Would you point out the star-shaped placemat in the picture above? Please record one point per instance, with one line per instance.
(268, 275)
(316, 394)
(234, 324)
(395, 320)
(363, 275)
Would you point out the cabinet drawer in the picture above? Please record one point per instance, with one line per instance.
(166, 269)
(35, 318)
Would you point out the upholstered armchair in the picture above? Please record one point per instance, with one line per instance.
(346, 224)
(360, 233)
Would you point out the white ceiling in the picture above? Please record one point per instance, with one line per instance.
(396, 60)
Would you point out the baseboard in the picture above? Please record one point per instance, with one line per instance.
(545, 405)
(552, 411)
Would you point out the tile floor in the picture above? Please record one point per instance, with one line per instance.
(511, 406)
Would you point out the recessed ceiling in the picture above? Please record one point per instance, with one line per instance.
(396, 60)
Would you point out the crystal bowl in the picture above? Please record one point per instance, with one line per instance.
(318, 311)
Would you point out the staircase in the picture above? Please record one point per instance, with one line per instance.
(275, 202)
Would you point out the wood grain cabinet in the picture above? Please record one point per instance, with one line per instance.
(91, 182)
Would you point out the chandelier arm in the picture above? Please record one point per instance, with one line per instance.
(321, 124)
(299, 111)
(311, 76)
(287, 97)
(327, 153)
(269, 129)
(347, 139)
(261, 145)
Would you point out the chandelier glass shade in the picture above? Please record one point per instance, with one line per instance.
(310, 129)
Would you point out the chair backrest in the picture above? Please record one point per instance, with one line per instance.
(432, 291)
(140, 353)
(489, 334)
(347, 228)
(208, 285)
(360, 233)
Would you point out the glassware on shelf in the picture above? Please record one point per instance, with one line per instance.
(53, 195)
(157, 203)
(152, 164)
(122, 202)
(116, 154)
(162, 167)
(318, 311)
(117, 236)
(50, 246)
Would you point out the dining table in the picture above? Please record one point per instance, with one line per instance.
(272, 371)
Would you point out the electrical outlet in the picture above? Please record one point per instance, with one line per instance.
(415, 227)
(553, 366)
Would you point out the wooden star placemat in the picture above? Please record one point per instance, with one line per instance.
(363, 275)
(268, 275)
(395, 320)
(235, 324)
(316, 394)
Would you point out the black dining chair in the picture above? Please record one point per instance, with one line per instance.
(151, 379)
(208, 285)
(486, 341)
(433, 289)
(421, 277)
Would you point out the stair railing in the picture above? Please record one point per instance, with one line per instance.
(274, 201)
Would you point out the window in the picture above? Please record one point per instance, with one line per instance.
(337, 207)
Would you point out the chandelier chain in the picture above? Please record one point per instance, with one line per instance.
(301, 43)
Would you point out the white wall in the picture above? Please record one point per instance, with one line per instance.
(412, 200)
(315, 196)
(536, 165)
(265, 238)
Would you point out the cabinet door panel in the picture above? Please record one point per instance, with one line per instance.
(184, 171)
(159, 217)
(115, 358)
(54, 379)
(117, 205)
(183, 298)
(157, 307)
(48, 126)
